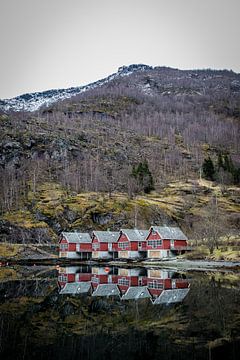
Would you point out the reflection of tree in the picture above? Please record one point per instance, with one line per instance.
(110, 329)
(218, 312)
(212, 308)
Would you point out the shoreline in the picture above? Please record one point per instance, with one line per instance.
(178, 264)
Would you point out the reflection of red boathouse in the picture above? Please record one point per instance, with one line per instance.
(72, 274)
(159, 280)
(161, 286)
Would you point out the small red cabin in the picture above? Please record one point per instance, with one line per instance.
(75, 245)
(103, 244)
(132, 243)
(165, 241)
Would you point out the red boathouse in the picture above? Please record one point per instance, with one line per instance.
(75, 245)
(165, 242)
(103, 244)
(132, 243)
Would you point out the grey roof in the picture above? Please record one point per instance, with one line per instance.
(169, 232)
(136, 292)
(76, 237)
(135, 234)
(76, 288)
(107, 236)
(106, 290)
(171, 296)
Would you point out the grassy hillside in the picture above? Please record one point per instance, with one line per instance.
(52, 209)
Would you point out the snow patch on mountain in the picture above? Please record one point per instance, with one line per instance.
(34, 101)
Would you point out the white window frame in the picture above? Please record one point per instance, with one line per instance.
(155, 285)
(155, 243)
(123, 281)
(62, 278)
(123, 245)
(95, 246)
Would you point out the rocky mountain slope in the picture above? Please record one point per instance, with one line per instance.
(34, 101)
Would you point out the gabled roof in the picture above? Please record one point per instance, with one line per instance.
(76, 288)
(76, 237)
(135, 234)
(106, 290)
(107, 236)
(169, 232)
(136, 292)
(171, 296)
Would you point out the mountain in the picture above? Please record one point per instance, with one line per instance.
(159, 80)
(34, 101)
(89, 156)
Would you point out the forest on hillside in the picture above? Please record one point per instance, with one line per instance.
(170, 119)
(140, 144)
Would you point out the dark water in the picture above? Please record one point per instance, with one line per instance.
(118, 313)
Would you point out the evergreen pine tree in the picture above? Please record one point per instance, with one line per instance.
(220, 161)
(227, 163)
(143, 176)
(236, 176)
(208, 169)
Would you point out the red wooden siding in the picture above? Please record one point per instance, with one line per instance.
(123, 239)
(180, 243)
(132, 245)
(87, 247)
(84, 277)
(166, 243)
(142, 245)
(102, 246)
(63, 244)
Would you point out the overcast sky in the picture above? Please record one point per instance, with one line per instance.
(48, 44)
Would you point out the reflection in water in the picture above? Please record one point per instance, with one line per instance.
(97, 313)
(160, 286)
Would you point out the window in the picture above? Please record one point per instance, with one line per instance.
(154, 243)
(95, 246)
(155, 285)
(95, 280)
(123, 245)
(62, 278)
(63, 247)
(123, 281)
